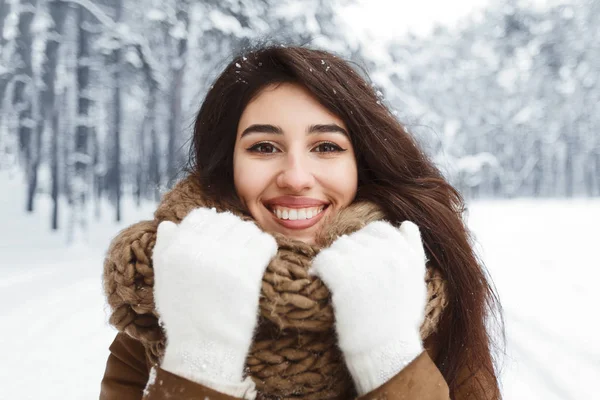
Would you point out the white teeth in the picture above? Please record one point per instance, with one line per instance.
(294, 214)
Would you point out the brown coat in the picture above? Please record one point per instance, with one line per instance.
(128, 371)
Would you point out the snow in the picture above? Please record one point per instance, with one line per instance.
(10, 26)
(383, 16)
(154, 14)
(475, 163)
(53, 315)
(178, 31)
(226, 23)
(151, 380)
(379, 19)
(540, 254)
(542, 257)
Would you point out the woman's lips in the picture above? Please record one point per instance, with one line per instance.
(299, 223)
(294, 202)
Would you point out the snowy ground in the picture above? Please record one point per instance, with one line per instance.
(55, 337)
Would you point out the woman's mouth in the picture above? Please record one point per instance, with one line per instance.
(297, 218)
(295, 214)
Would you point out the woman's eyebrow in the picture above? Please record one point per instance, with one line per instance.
(262, 128)
(313, 129)
(327, 128)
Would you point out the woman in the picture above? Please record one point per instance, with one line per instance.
(307, 203)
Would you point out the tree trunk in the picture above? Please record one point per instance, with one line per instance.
(117, 121)
(176, 116)
(174, 146)
(55, 154)
(84, 128)
(23, 96)
(48, 99)
(4, 9)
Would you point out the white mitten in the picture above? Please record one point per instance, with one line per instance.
(208, 273)
(376, 277)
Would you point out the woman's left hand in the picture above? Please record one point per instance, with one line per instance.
(376, 277)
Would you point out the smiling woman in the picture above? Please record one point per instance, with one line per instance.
(308, 204)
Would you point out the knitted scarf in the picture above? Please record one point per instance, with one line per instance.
(294, 353)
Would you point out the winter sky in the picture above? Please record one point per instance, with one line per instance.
(385, 19)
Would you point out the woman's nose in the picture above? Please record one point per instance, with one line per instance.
(296, 174)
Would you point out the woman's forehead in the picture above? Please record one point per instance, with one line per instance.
(287, 105)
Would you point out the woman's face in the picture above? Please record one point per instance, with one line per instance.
(293, 162)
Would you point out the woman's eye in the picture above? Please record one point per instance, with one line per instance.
(328, 148)
(264, 148)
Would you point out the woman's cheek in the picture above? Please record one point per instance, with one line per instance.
(343, 179)
(251, 179)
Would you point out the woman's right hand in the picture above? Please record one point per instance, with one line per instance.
(208, 273)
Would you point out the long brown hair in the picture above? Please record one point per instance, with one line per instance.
(394, 173)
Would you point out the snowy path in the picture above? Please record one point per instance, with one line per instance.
(540, 254)
(52, 310)
(542, 258)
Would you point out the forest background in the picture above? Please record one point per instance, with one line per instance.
(98, 97)
(97, 102)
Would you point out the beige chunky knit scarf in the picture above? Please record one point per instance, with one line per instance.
(294, 354)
